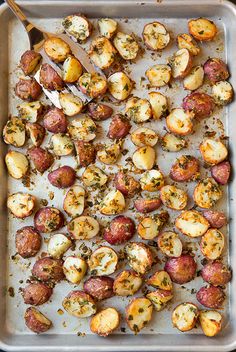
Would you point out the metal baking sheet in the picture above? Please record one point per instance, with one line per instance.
(14, 271)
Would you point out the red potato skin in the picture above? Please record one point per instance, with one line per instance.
(33, 323)
(28, 89)
(126, 184)
(38, 131)
(201, 104)
(86, 152)
(121, 230)
(119, 127)
(48, 219)
(147, 205)
(28, 241)
(50, 79)
(99, 287)
(36, 293)
(186, 168)
(99, 111)
(216, 273)
(63, 177)
(211, 297)
(55, 121)
(26, 60)
(41, 158)
(181, 269)
(221, 172)
(217, 219)
(47, 269)
(216, 70)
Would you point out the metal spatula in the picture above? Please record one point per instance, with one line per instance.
(37, 38)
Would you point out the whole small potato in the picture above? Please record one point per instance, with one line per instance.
(50, 79)
(36, 293)
(48, 219)
(147, 205)
(216, 273)
(99, 111)
(185, 168)
(86, 153)
(55, 121)
(28, 241)
(99, 287)
(201, 104)
(211, 297)
(63, 177)
(119, 127)
(36, 321)
(216, 219)
(216, 70)
(36, 133)
(41, 158)
(48, 269)
(221, 172)
(28, 89)
(126, 184)
(182, 269)
(121, 230)
(29, 61)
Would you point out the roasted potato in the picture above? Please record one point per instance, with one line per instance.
(78, 26)
(144, 158)
(99, 111)
(221, 172)
(48, 269)
(181, 63)
(143, 136)
(41, 158)
(74, 201)
(186, 41)
(212, 244)
(159, 105)
(94, 177)
(216, 219)
(82, 128)
(194, 79)
(48, 219)
(86, 153)
(127, 283)
(147, 205)
(109, 153)
(126, 45)
(113, 203)
(70, 103)
(119, 127)
(28, 89)
(92, 84)
(102, 53)
(152, 180)
(170, 244)
(79, 304)
(56, 49)
(36, 321)
(63, 177)
(213, 151)
(216, 273)
(21, 204)
(99, 287)
(172, 143)
(207, 193)
(28, 241)
(50, 79)
(83, 227)
(216, 70)
(210, 321)
(55, 121)
(121, 229)
(119, 85)
(159, 298)
(126, 184)
(58, 244)
(185, 168)
(74, 269)
(211, 297)
(107, 27)
(158, 75)
(17, 164)
(184, 316)
(138, 313)
(103, 261)
(180, 122)
(223, 93)
(155, 36)
(71, 69)
(36, 293)
(191, 223)
(149, 227)
(182, 269)
(160, 279)
(14, 132)
(105, 322)
(62, 144)
(36, 133)
(173, 197)
(139, 256)
(201, 104)
(138, 110)
(202, 29)
(30, 111)
(29, 61)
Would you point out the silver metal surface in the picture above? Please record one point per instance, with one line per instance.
(159, 335)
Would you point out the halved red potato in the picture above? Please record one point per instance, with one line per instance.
(185, 168)
(119, 127)
(28, 89)
(71, 69)
(21, 204)
(78, 26)
(180, 122)
(92, 84)
(99, 287)
(29, 61)
(181, 269)
(201, 104)
(109, 153)
(58, 244)
(94, 177)
(103, 261)
(212, 244)
(139, 256)
(147, 205)
(126, 184)
(144, 158)
(207, 193)
(143, 136)
(17, 164)
(126, 45)
(160, 298)
(79, 304)
(186, 41)
(28, 241)
(82, 128)
(50, 79)
(119, 85)
(213, 151)
(48, 219)
(86, 153)
(113, 203)
(30, 111)
(127, 283)
(216, 273)
(216, 70)
(36, 321)
(107, 27)
(55, 120)
(191, 223)
(158, 75)
(202, 29)
(36, 293)
(155, 36)
(74, 269)
(172, 143)
(223, 93)
(62, 145)
(170, 244)
(56, 49)
(83, 227)
(181, 63)
(152, 180)
(174, 197)
(138, 313)
(70, 103)
(159, 104)
(105, 322)
(210, 321)
(48, 269)
(14, 132)
(62, 177)
(36, 133)
(121, 229)
(160, 279)
(102, 53)
(211, 297)
(138, 110)
(216, 219)
(194, 79)
(99, 111)
(74, 201)
(221, 172)
(149, 227)
(184, 316)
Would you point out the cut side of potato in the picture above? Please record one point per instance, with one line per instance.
(207, 193)
(181, 63)
(212, 244)
(159, 299)
(138, 110)
(103, 261)
(36, 133)
(213, 151)
(30, 111)
(82, 128)
(173, 197)
(79, 304)
(94, 177)
(58, 244)
(83, 227)
(71, 70)
(92, 84)
(180, 122)
(194, 79)
(159, 75)
(160, 279)
(191, 223)
(139, 256)
(143, 136)
(210, 321)
(172, 143)
(159, 104)
(149, 227)
(202, 29)
(113, 203)
(170, 244)
(17, 164)
(144, 158)
(78, 26)
(14, 132)
(119, 85)
(74, 269)
(186, 41)
(74, 201)
(56, 49)
(138, 313)
(152, 180)
(109, 153)
(21, 204)
(70, 103)
(156, 36)
(184, 316)
(105, 322)
(62, 145)
(107, 27)
(102, 53)
(126, 45)
(127, 283)
(222, 92)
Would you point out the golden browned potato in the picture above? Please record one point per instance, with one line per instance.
(152, 180)
(159, 75)
(160, 279)
(92, 84)
(212, 244)
(21, 204)
(56, 49)
(17, 164)
(83, 227)
(78, 26)
(103, 261)
(140, 257)
(139, 110)
(138, 313)
(14, 132)
(149, 227)
(207, 193)
(71, 70)
(211, 322)
(126, 46)
(107, 27)
(36, 133)
(79, 304)
(156, 36)
(159, 104)
(170, 244)
(109, 153)
(113, 203)
(74, 269)
(144, 136)
(29, 61)
(102, 53)
(30, 111)
(172, 143)
(159, 298)
(74, 201)
(180, 122)
(173, 197)
(191, 223)
(105, 322)
(186, 41)
(119, 85)
(181, 63)
(213, 151)
(194, 79)
(127, 283)
(184, 316)
(144, 158)
(202, 29)
(70, 103)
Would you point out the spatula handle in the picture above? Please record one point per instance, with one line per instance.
(17, 11)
